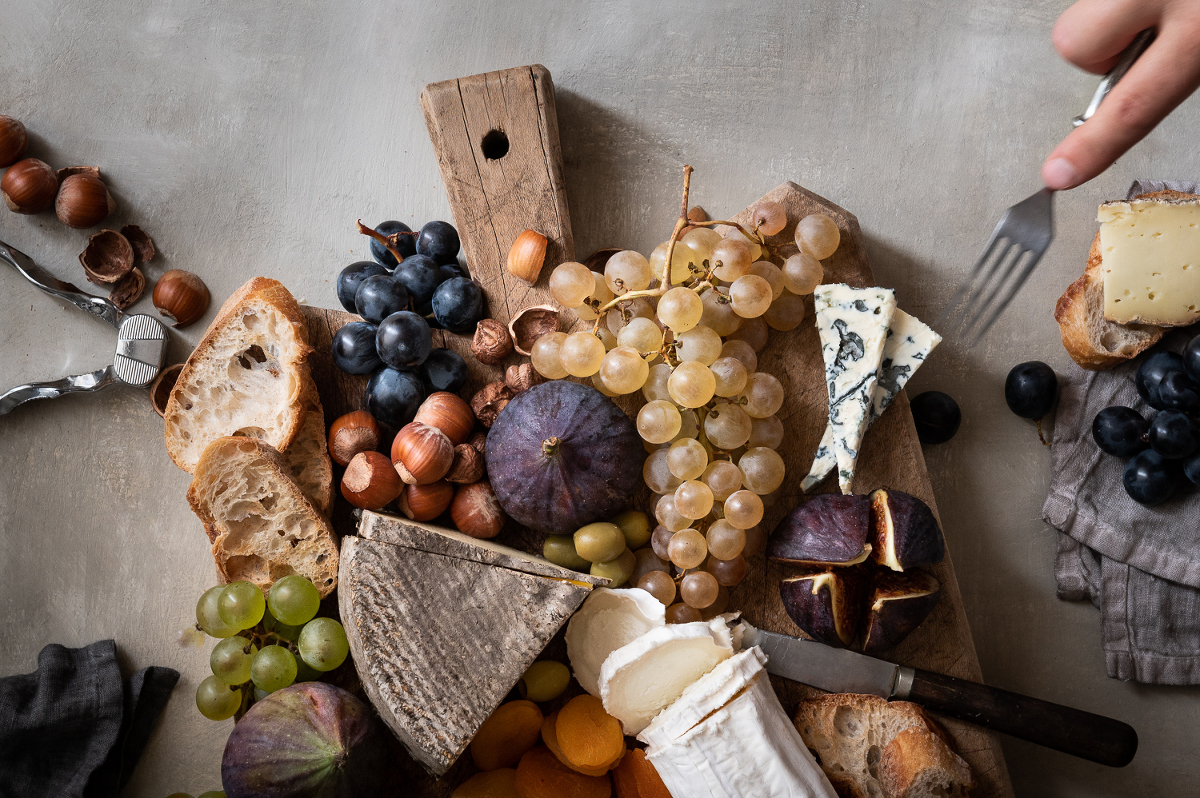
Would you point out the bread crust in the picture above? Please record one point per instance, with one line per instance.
(308, 456)
(273, 294)
(241, 554)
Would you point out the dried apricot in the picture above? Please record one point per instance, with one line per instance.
(541, 775)
(510, 731)
(636, 777)
(500, 783)
(550, 738)
(588, 736)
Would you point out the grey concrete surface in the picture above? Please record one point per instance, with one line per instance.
(248, 137)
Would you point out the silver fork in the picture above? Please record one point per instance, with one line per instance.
(1020, 239)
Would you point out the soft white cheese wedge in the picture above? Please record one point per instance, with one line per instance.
(702, 698)
(747, 749)
(608, 620)
(853, 325)
(909, 342)
(640, 679)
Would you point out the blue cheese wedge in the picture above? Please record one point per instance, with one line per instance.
(853, 326)
(909, 341)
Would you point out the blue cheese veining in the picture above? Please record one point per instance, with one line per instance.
(853, 325)
(909, 341)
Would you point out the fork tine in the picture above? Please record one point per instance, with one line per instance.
(964, 289)
(966, 304)
(995, 276)
(1014, 287)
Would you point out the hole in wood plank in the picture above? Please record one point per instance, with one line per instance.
(494, 145)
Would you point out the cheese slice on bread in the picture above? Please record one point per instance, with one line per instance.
(1150, 260)
(247, 376)
(261, 525)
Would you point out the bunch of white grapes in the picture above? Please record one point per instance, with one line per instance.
(691, 349)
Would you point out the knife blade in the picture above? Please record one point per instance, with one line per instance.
(1095, 738)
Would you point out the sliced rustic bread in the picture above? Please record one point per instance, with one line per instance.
(246, 376)
(260, 524)
(308, 456)
(871, 748)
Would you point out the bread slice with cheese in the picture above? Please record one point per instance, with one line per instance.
(869, 747)
(308, 456)
(247, 376)
(261, 525)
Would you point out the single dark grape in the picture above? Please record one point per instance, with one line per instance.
(1151, 373)
(1173, 434)
(351, 277)
(420, 275)
(1191, 468)
(405, 245)
(393, 396)
(1030, 389)
(1150, 479)
(1118, 431)
(404, 340)
(444, 370)
(438, 240)
(458, 304)
(449, 271)
(1191, 358)
(936, 415)
(1178, 391)
(379, 297)
(354, 348)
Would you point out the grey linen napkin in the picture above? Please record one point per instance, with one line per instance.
(73, 728)
(1139, 565)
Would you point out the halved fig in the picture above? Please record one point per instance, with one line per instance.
(826, 605)
(830, 529)
(898, 603)
(906, 533)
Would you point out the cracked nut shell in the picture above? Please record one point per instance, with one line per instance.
(160, 389)
(826, 604)
(906, 533)
(128, 289)
(107, 258)
(830, 529)
(531, 324)
(898, 604)
(139, 239)
(491, 399)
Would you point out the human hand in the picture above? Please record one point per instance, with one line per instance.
(1092, 34)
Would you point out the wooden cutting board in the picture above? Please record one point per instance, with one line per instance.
(891, 453)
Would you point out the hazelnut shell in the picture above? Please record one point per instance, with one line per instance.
(526, 256)
(160, 389)
(492, 342)
(108, 257)
(830, 529)
(476, 511)
(906, 533)
(825, 604)
(29, 186)
(139, 239)
(449, 413)
(128, 289)
(531, 324)
(897, 605)
(14, 140)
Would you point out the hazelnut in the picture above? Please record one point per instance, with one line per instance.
(29, 186)
(353, 433)
(479, 442)
(107, 258)
(697, 214)
(83, 201)
(526, 256)
(491, 343)
(491, 399)
(531, 324)
(370, 481)
(449, 413)
(180, 296)
(522, 377)
(425, 451)
(128, 289)
(143, 245)
(160, 389)
(426, 502)
(468, 465)
(476, 511)
(14, 140)
(599, 258)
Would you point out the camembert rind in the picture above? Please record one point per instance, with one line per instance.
(853, 325)
(1150, 261)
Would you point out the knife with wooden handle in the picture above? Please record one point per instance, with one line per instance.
(1092, 737)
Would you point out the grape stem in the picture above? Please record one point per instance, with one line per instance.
(389, 242)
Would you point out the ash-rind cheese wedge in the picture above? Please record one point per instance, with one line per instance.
(909, 342)
(853, 325)
(1150, 261)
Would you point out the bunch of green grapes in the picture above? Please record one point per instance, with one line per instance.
(710, 422)
(266, 643)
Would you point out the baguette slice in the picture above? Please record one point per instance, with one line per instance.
(308, 456)
(871, 748)
(259, 522)
(1091, 340)
(247, 375)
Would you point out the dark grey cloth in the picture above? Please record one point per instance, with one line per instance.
(1139, 565)
(73, 727)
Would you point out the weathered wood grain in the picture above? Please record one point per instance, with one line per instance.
(439, 640)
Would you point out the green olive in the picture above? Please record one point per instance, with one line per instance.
(560, 550)
(636, 528)
(599, 542)
(618, 569)
(544, 681)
